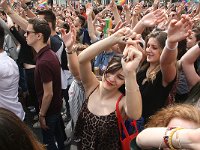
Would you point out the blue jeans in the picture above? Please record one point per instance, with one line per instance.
(54, 133)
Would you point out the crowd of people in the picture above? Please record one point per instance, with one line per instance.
(140, 60)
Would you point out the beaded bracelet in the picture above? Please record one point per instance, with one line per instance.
(166, 136)
(170, 137)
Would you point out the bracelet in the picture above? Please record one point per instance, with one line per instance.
(179, 141)
(70, 52)
(166, 136)
(170, 137)
(169, 48)
(41, 115)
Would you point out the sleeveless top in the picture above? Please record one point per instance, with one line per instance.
(154, 95)
(97, 132)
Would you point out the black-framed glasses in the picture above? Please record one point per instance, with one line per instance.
(28, 32)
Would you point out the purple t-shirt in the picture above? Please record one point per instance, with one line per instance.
(48, 69)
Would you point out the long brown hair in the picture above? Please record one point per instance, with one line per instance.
(161, 37)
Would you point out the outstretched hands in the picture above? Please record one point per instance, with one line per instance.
(179, 30)
(153, 18)
(133, 53)
(122, 35)
(131, 57)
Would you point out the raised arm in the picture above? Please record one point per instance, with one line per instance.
(127, 14)
(149, 20)
(69, 40)
(178, 30)
(187, 63)
(135, 16)
(29, 13)
(23, 23)
(70, 6)
(91, 30)
(133, 100)
(115, 12)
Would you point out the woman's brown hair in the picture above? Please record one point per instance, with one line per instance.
(161, 37)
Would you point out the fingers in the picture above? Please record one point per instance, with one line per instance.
(173, 22)
(125, 54)
(63, 33)
(130, 53)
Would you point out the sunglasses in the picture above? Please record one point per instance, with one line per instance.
(28, 32)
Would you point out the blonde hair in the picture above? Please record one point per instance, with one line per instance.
(151, 76)
(165, 115)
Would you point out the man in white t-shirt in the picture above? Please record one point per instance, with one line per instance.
(9, 78)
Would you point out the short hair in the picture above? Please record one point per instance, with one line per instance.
(183, 111)
(2, 34)
(14, 134)
(49, 16)
(41, 26)
(82, 20)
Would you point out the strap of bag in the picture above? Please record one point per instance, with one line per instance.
(121, 122)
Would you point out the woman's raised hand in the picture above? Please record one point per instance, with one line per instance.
(153, 18)
(179, 30)
(131, 57)
(122, 35)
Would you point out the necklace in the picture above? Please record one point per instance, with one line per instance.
(151, 74)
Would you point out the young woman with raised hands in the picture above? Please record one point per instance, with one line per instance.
(157, 76)
(97, 124)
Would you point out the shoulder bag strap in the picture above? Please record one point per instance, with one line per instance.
(120, 119)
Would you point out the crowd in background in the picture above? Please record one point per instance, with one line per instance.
(139, 60)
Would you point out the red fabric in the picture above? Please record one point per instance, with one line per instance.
(125, 143)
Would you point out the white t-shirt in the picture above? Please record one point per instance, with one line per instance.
(9, 78)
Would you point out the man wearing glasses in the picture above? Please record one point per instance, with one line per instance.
(47, 82)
